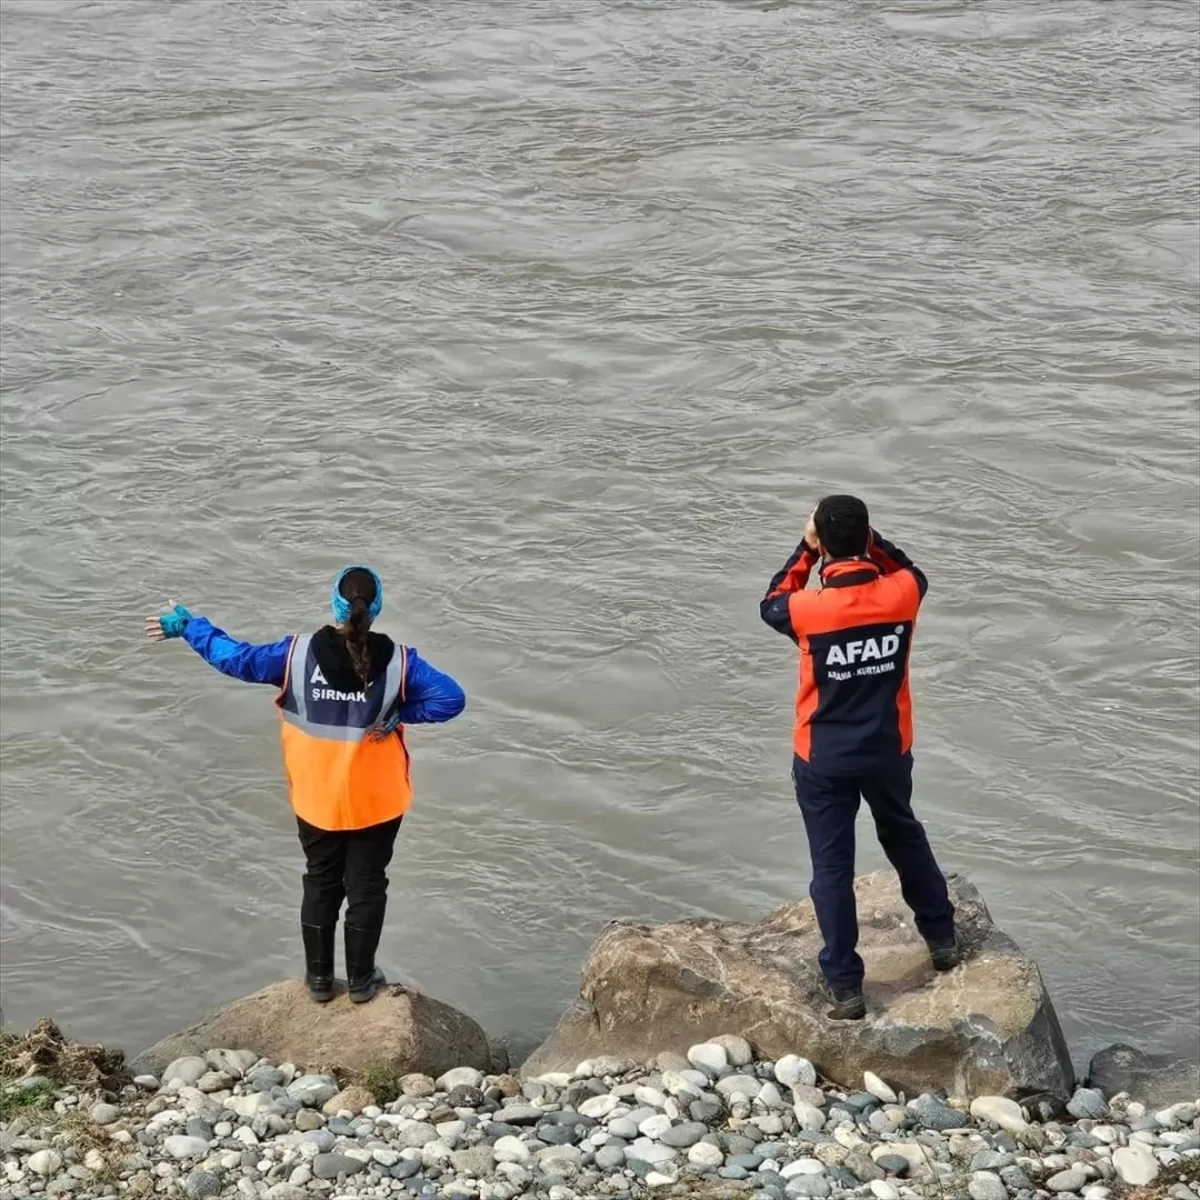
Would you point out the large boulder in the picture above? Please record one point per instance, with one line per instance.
(987, 1027)
(1156, 1079)
(401, 1028)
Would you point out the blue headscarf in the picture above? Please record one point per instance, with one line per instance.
(341, 606)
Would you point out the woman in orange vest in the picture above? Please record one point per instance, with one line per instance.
(345, 696)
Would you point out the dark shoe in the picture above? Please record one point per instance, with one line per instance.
(849, 1004)
(318, 960)
(363, 976)
(945, 956)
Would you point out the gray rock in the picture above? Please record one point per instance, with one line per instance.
(105, 1114)
(45, 1163)
(1088, 1104)
(187, 1070)
(933, 1113)
(313, 1090)
(475, 1163)
(645, 988)
(201, 1184)
(181, 1146)
(1015, 1179)
(264, 1078)
(684, 1135)
(704, 1110)
(417, 1136)
(808, 1185)
(521, 1114)
(610, 1158)
(330, 1166)
(308, 1119)
(728, 1172)
(841, 1177)
(322, 1139)
(340, 1127)
(406, 1168)
(1156, 1079)
(624, 1127)
(1067, 1181)
(748, 1162)
(991, 1160)
(198, 1127)
(557, 1135)
(893, 1164)
(986, 1186)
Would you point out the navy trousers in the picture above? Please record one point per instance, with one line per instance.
(829, 805)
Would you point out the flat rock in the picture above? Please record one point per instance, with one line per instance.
(999, 1111)
(182, 1146)
(987, 1027)
(403, 1029)
(1067, 1181)
(1158, 1080)
(1135, 1164)
(330, 1166)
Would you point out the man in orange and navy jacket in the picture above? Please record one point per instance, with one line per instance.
(853, 737)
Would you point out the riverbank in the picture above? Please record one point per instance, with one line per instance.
(716, 1124)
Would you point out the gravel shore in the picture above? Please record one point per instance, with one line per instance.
(713, 1125)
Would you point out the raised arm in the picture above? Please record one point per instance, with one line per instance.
(430, 696)
(890, 559)
(239, 660)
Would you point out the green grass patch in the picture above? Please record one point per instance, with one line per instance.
(381, 1079)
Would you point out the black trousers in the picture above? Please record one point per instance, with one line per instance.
(829, 805)
(349, 865)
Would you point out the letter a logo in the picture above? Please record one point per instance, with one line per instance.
(317, 677)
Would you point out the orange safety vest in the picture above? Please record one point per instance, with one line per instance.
(342, 774)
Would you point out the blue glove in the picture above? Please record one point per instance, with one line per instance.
(174, 623)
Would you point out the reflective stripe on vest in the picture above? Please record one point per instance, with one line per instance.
(343, 771)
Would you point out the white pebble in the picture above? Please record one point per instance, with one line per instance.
(656, 1179)
(599, 1107)
(708, 1056)
(705, 1154)
(650, 1097)
(1135, 1165)
(809, 1116)
(736, 1048)
(469, 1077)
(793, 1071)
(880, 1090)
(1001, 1111)
(45, 1162)
(882, 1190)
(654, 1127)
(511, 1150)
(803, 1166)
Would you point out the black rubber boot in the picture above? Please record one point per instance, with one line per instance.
(849, 1004)
(363, 976)
(945, 956)
(318, 960)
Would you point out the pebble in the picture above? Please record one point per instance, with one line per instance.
(877, 1088)
(1067, 1181)
(1088, 1104)
(200, 1184)
(45, 1162)
(1000, 1111)
(1136, 1165)
(705, 1154)
(809, 1116)
(105, 1114)
(183, 1146)
(737, 1050)
(986, 1186)
(882, 1190)
(330, 1166)
(792, 1071)
(893, 1164)
(468, 1077)
(684, 1135)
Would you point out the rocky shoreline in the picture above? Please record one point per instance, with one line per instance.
(716, 1124)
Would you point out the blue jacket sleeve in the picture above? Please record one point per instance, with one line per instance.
(429, 695)
(238, 660)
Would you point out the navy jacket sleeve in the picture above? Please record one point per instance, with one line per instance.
(430, 696)
(890, 558)
(791, 577)
(239, 660)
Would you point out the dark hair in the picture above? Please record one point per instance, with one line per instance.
(359, 588)
(843, 526)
